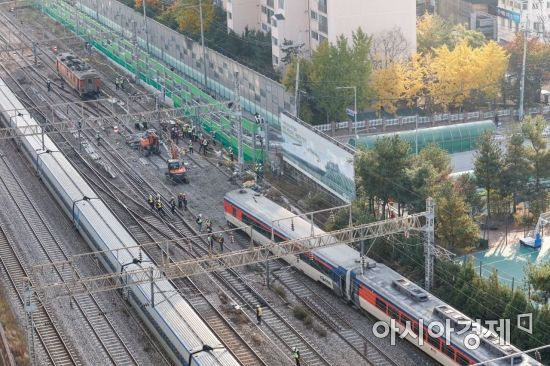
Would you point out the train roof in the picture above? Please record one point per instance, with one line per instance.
(78, 66)
(398, 290)
(266, 211)
(175, 312)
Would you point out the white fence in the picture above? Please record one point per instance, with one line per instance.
(423, 121)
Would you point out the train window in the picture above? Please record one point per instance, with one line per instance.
(414, 327)
(433, 341)
(234, 209)
(392, 312)
(462, 361)
(380, 304)
(449, 351)
(404, 319)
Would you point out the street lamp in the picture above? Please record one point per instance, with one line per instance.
(355, 105)
(205, 348)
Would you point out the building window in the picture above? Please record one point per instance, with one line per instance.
(264, 9)
(275, 60)
(323, 24)
(525, 6)
(281, 4)
(264, 27)
(269, 13)
(322, 6)
(315, 35)
(313, 15)
(274, 22)
(270, 3)
(274, 41)
(229, 15)
(322, 38)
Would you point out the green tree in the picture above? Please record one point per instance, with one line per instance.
(454, 226)
(467, 187)
(516, 168)
(433, 31)
(539, 156)
(517, 305)
(382, 171)
(431, 168)
(488, 165)
(187, 14)
(330, 67)
(460, 33)
(438, 158)
(539, 278)
(536, 69)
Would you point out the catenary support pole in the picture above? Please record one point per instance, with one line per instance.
(521, 111)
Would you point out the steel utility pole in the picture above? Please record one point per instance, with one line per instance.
(145, 24)
(296, 106)
(202, 45)
(521, 112)
(238, 116)
(429, 244)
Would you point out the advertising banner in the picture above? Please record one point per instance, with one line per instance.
(322, 159)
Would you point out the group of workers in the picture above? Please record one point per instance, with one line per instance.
(155, 202)
(211, 237)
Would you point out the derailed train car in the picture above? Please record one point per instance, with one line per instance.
(78, 74)
(374, 287)
(172, 320)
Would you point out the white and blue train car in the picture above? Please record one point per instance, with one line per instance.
(374, 287)
(172, 320)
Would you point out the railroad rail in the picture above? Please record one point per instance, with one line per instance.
(93, 315)
(54, 344)
(280, 329)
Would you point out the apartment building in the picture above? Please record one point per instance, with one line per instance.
(517, 15)
(310, 22)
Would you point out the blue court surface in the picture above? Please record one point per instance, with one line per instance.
(510, 261)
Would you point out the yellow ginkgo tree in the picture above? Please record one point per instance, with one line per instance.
(389, 86)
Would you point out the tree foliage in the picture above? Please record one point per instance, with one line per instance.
(454, 226)
(389, 86)
(488, 165)
(539, 278)
(331, 67)
(461, 73)
(434, 32)
(187, 15)
(539, 156)
(536, 70)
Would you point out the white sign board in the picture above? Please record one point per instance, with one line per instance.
(318, 157)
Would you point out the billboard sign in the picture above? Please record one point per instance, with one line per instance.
(508, 14)
(322, 159)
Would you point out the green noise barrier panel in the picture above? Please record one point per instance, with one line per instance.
(157, 75)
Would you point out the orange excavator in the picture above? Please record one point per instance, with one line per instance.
(149, 142)
(177, 172)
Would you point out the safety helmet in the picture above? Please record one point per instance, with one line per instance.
(200, 215)
(294, 349)
(257, 306)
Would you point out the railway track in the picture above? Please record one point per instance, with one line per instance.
(91, 313)
(54, 344)
(280, 328)
(331, 317)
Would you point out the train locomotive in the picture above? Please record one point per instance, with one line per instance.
(78, 74)
(174, 323)
(373, 287)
